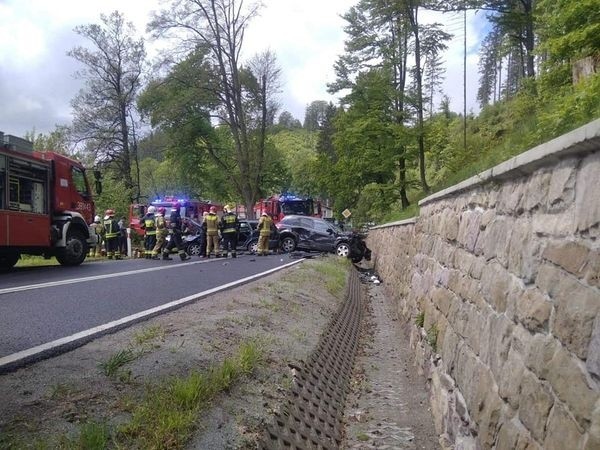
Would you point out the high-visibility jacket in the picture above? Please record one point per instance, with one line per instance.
(111, 228)
(229, 223)
(149, 224)
(161, 226)
(211, 224)
(264, 225)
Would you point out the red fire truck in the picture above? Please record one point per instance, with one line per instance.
(45, 205)
(278, 206)
(192, 209)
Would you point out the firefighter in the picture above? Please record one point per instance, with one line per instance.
(111, 235)
(230, 226)
(161, 233)
(210, 224)
(264, 226)
(176, 229)
(96, 249)
(149, 226)
(203, 240)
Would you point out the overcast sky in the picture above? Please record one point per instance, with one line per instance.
(36, 75)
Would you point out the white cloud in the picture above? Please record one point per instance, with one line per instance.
(36, 75)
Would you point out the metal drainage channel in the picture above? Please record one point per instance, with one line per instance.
(312, 414)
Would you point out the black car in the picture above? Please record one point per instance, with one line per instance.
(311, 233)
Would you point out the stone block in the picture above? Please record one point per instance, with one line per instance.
(572, 385)
(523, 251)
(561, 191)
(562, 431)
(587, 200)
(497, 238)
(559, 224)
(576, 307)
(540, 352)
(593, 355)
(470, 228)
(533, 310)
(496, 341)
(495, 286)
(571, 256)
(536, 401)
(509, 383)
(536, 191)
(593, 440)
(441, 297)
(450, 225)
(511, 194)
(592, 271)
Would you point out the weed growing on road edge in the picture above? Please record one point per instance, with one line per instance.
(149, 334)
(116, 361)
(420, 320)
(432, 335)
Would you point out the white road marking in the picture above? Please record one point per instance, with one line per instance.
(87, 335)
(95, 277)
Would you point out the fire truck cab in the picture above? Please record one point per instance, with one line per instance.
(46, 205)
(279, 206)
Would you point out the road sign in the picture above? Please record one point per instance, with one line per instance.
(346, 213)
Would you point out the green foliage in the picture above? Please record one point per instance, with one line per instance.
(116, 361)
(420, 319)
(432, 335)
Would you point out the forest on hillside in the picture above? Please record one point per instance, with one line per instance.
(203, 123)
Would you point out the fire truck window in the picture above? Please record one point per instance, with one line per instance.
(27, 187)
(2, 182)
(79, 181)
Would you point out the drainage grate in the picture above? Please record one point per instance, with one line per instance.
(311, 417)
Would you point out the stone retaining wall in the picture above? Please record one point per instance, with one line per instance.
(500, 278)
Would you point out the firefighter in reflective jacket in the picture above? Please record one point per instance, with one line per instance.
(96, 249)
(211, 225)
(230, 227)
(176, 230)
(149, 226)
(161, 233)
(111, 234)
(264, 226)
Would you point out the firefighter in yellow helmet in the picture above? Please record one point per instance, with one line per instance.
(230, 226)
(264, 226)
(211, 225)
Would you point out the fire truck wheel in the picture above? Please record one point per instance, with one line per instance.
(8, 260)
(75, 251)
(288, 244)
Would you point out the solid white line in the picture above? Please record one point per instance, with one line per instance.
(95, 277)
(88, 334)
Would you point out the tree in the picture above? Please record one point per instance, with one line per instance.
(243, 94)
(104, 110)
(315, 115)
(57, 140)
(287, 121)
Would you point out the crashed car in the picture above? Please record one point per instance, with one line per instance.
(311, 233)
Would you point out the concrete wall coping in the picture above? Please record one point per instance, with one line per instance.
(399, 223)
(581, 140)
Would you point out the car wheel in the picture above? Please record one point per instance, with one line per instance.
(253, 247)
(193, 250)
(343, 250)
(288, 244)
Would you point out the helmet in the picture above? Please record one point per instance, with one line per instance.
(264, 213)
(109, 212)
(151, 209)
(227, 208)
(97, 219)
(213, 209)
(162, 210)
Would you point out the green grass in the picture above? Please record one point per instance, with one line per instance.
(149, 334)
(432, 335)
(116, 361)
(420, 319)
(168, 415)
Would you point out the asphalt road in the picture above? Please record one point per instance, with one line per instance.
(46, 310)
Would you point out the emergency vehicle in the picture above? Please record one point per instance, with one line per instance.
(279, 206)
(192, 209)
(46, 205)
